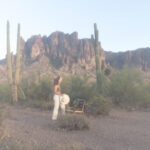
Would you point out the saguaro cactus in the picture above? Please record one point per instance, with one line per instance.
(9, 64)
(17, 75)
(95, 40)
(97, 49)
(17, 71)
(13, 80)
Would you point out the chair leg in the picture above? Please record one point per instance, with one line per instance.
(83, 108)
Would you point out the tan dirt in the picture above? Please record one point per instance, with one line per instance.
(121, 130)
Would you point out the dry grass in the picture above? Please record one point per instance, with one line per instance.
(73, 122)
(13, 144)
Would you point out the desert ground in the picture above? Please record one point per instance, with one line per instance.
(121, 130)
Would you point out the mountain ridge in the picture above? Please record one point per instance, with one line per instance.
(67, 51)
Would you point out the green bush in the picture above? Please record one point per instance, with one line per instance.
(77, 87)
(82, 88)
(127, 89)
(107, 71)
(5, 92)
(73, 122)
(99, 105)
(40, 90)
(37, 93)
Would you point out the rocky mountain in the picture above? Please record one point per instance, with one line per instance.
(139, 58)
(67, 50)
(67, 53)
(61, 49)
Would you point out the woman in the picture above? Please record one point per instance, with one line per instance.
(58, 96)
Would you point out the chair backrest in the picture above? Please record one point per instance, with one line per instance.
(79, 103)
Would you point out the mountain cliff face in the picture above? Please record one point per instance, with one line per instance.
(61, 49)
(138, 58)
(67, 52)
(62, 53)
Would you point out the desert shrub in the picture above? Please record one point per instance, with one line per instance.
(107, 71)
(73, 122)
(81, 87)
(39, 93)
(5, 92)
(77, 87)
(37, 90)
(127, 89)
(99, 105)
(144, 96)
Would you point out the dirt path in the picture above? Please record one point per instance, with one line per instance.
(120, 131)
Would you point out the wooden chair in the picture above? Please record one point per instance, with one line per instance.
(78, 106)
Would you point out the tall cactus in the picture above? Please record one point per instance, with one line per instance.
(17, 75)
(9, 63)
(17, 71)
(95, 40)
(97, 48)
(13, 80)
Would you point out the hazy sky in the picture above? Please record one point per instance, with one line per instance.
(123, 24)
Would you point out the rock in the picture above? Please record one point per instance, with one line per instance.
(137, 58)
(34, 47)
(61, 49)
(67, 50)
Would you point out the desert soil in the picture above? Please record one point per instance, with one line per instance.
(121, 130)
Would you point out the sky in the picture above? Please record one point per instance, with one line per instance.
(123, 24)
